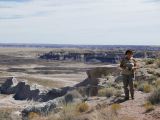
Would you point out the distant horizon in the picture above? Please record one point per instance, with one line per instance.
(76, 44)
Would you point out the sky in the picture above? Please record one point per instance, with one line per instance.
(88, 22)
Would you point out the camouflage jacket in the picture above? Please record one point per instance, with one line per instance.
(126, 65)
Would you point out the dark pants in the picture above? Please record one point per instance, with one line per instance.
(128, 81)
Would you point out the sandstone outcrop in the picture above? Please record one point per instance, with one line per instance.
(53, 105)
(92, 82)
(23, 91)
(9, 86)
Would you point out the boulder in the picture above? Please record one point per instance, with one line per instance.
(41, 109)
(54, 93)
(24, 92)
(91, 84)
(9, 86)
(53, 105)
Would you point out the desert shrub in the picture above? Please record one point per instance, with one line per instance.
(102, 92)
(150, 71)
(82, 107)
(115, 108)
(118, 93)
(107, 92)
(149, 61)
(157, 74)
(158, 63)
(145, 87)
(151, 79)
(69, 97)
(135, 84)
(148, 106)
(68, 112)
(154, 98)
(115, 85)
(157, 83)
(6, 114)
(110, 92)
(33, 116)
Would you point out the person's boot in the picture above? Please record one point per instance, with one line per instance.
(126, 98)
(132, 95)
(126, 94)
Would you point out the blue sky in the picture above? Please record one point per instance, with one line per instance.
(109, 22)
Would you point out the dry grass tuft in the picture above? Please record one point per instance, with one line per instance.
(148, 107)
(107, 92)
(154, 98)
(6, 114)
(158, 63)
(115, 108)
(145, 87)
(82, 107)
(33, 116)
(157, 83)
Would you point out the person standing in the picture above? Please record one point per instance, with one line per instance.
(128, 65)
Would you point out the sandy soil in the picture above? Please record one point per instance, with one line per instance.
(100, 109)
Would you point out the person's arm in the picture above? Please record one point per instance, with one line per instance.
(135, 64)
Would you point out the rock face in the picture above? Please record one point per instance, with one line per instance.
(92, 82)
(52, 105)
(54, 93)
(90, 56)
(98, 72)
(42, 108)
(8, 87)
(23, 91)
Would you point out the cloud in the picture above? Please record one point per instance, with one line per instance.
(11, 17)
(10, 9)
(15, 0)
(20, 9)
(72, 21)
